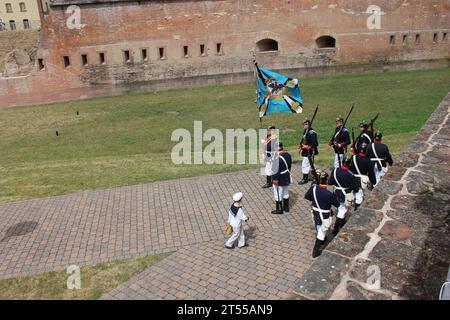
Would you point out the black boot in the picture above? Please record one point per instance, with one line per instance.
(305, 179)
(317, 248)
(285, 205)
(338, 225)
(278, 209)
(268, 182)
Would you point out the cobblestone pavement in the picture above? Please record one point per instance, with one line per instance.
(266, 269)
(186, 216)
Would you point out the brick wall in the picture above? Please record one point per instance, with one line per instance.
(121, 30)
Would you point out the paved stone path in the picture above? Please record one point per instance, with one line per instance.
(186, 216)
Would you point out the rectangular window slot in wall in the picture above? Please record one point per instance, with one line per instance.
(84, 59)
(66, 61)
(186, 51)
(162, 54)
(202, 50)
(435, 38)
(392, 40)
(102, 58)
(417, 38)
(126, 56)
(41, 64)
(144, 54)
(218, 48)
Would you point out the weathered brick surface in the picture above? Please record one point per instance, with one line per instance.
(403, 228)
(266, 269)
(238, 25)
(90, 227)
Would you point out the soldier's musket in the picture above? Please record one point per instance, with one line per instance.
(313, 170)
(306, 132)
(353, 140)
(373, 121)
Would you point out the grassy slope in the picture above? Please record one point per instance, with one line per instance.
(126, 140)
(95, 281)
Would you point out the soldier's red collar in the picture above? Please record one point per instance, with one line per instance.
(361, 154)
(345, 168)
(323, 186)
(377, 141)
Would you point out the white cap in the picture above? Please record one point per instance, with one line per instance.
(237, 196)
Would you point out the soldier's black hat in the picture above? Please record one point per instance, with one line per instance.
(363, 124)
(347, 161)
(323, 176)
(306, 121)
(339, 119)
(272, 127)
(280, 146)
(378, 135)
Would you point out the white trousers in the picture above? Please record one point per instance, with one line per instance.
(379, 173)
(238, 234)
(322, 230)
(306, 167)
(359, 196)
(342, 210)
(336, 159)
(280, 193)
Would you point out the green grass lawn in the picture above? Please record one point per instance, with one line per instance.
(125, 140)
(96, 280)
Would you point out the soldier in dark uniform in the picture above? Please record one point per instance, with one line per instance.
(363, 170)
(322, 200)
(366, 136)
(379, 154)
(270, 141)
(308, 149)
(281, 180)
(346, 186)
(339, 142)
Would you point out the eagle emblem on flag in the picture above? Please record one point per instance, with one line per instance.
(277, 93)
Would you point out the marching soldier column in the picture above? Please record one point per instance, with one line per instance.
(350, 178)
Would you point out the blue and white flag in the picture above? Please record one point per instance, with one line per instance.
(277, 93)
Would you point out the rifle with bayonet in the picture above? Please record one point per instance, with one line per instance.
(353, 141)
(313, 170)
(372, 122)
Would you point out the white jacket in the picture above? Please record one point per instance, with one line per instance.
(236, 220)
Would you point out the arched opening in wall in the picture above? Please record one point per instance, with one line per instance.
(267, 45)
(326, 42)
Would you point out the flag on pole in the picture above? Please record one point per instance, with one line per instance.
(277, 93)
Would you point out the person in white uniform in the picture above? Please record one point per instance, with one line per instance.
(236, 216)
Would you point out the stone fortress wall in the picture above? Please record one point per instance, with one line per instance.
(400, 235)
(132, 45)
